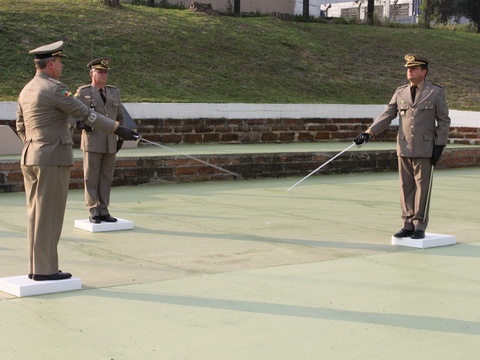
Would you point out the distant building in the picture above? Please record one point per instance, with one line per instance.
(392, 10)
(246, 6)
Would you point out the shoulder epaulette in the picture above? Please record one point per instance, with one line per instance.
(82, 89)
(437, 85)
(57, 82)
(111, 86)
(403, 86)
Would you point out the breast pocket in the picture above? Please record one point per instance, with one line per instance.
(426, 106)
(93, 104)
(115, 108)
(403, 109)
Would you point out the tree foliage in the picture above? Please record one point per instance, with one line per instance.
(445, 11)
(471, 10)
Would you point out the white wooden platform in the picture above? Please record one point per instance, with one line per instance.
(23, 286)
(430, 240)
(10, 143)
(121, 224)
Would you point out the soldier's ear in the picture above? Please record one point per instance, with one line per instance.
(50, 63)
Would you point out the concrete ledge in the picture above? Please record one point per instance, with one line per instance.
(255, 111)
(121, 224)
(430, 240)
(23, 286)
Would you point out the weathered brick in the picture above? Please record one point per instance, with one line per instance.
(227, 138)
(188, 170)
(211, 138)
(286, 136)
(223, 129)
(192, 138)
(250, 137)
(169, 139)
(269, 137)
(305, 136)
(323, 135)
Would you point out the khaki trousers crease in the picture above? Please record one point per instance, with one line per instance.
(414, 187)
(98, 170)
(46, 190)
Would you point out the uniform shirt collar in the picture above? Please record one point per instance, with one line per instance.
(104, 89)
(420, 85)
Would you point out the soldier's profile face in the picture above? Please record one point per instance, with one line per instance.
(57, 67)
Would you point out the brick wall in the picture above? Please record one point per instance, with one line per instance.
(244, 131)
(464, 135)
(133, 171)
(163, 169)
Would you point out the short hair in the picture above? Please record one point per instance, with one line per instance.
(424, 67)
(42, 63)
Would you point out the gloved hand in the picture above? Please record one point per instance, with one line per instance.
(126, 133)
(80, 125)
(437, 153)
(119, 144)
(361, 139)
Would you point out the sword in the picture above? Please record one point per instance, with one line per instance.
(190, 157)
(429, 194)
(314, 171)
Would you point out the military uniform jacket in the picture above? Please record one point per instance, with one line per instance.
(99, 141)
(44, 106)
(422, 124)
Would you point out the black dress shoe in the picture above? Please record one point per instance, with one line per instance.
(403, 233)
(108, 218)
(418, 234)
(57, 276)
(95, 219)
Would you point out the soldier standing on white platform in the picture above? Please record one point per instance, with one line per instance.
(99, 148)
(422, 135)
(44, 106)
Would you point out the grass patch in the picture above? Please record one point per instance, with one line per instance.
(174, 55)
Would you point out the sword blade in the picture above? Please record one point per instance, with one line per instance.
(314, 171)
(191, 157)
(429, 194)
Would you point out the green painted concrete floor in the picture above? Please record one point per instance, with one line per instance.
(246, 270)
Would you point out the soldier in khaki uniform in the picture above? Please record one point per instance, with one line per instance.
(99, 148)
(422, 134)
(44, 106)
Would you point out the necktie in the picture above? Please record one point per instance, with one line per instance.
(413, 89)
(103, 96)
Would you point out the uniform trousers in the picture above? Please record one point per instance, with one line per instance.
(46, 189)
(98, 174)
(414, 189)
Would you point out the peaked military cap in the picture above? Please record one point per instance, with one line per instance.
(415, 60)
(100, 63)
(48, 51)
